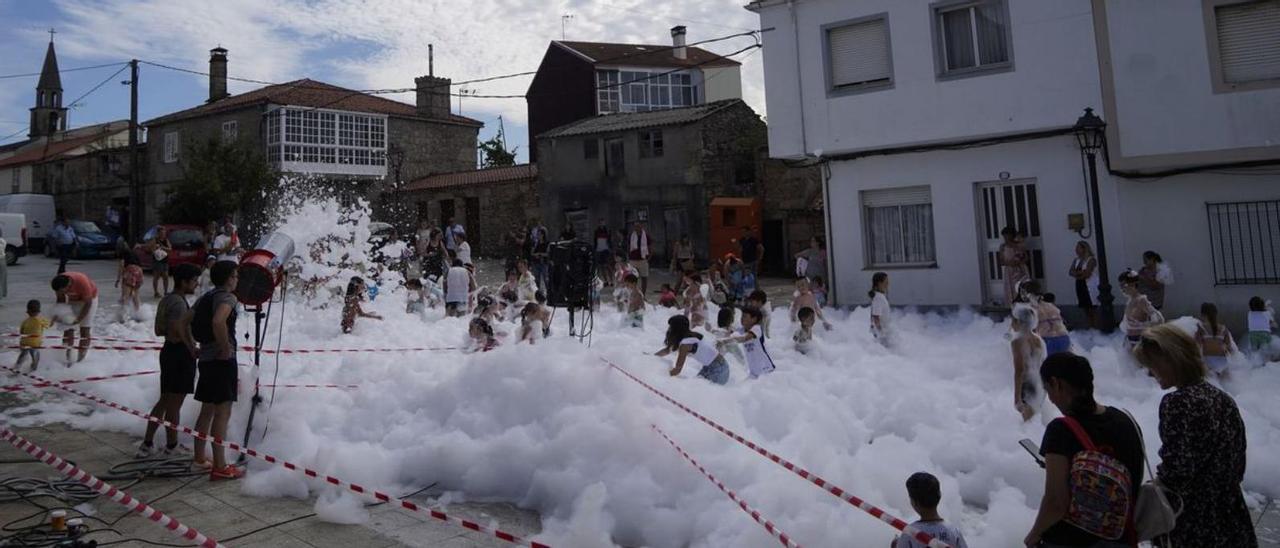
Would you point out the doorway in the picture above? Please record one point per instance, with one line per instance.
(776, 254)
(1002, 204)
(447, 212)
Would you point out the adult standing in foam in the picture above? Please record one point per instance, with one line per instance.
(225, 244)
(1084, 268)
(463, 248)
(1202, 444)
(1068, 381)
(64, 241)
(434, 256)
(77, 290)
(451, 229)
(686, 342)
(1014, 262)
(213, 325)
(639, 246)
(177, 358)
(1153, 277)
(458, 285)
(752, 250)
(603, 248)
(160, 249)
(539, 251)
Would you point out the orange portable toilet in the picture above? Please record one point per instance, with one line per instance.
(728, 217)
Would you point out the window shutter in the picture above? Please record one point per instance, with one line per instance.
(859, 53)
(913, 195)
(1249, 41)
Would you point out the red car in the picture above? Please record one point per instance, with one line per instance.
(188, 246)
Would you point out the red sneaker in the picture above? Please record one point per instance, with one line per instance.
(227, 472)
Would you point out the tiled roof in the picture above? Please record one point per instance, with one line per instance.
(646, 55)
(624, 121)
(38, 153)
(475, 177)
(309, 93)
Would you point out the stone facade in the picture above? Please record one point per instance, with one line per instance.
(83, 186)
(488, 203)
(793, 208)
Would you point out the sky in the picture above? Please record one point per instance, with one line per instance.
(359, 44)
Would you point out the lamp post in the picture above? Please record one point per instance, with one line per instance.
(1090, 135)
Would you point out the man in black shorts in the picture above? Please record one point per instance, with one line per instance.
(177, 360)
(213, 324)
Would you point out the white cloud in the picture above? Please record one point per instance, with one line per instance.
(383, 44)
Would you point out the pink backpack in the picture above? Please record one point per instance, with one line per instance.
(1101, 489)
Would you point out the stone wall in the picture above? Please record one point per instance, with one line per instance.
(83, 186)
(431, 147)
(502, 205)
(792, 196)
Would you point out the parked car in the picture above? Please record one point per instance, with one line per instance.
(39, 211)
(91, 242)
(188, 246)
(13, 228)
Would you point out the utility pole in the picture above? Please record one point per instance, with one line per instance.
(136, 201)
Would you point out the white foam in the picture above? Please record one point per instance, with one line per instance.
(550, 427)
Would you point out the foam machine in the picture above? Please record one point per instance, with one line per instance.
(261, 272)
(569, 282)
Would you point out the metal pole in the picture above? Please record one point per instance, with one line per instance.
(1108, 318)
(136, 201)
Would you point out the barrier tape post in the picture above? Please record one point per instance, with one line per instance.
(104, 488)
(878, 513)
(755, 514)
(355, 488)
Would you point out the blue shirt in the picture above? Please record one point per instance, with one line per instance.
(63, 234)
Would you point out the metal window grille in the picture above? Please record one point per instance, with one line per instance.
(1245, 242)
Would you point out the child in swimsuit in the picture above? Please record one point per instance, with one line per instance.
(695, 305)
(1050, 328)
(806, 299)
(1028, 353)
(1261, 322)
(1215, 341)
(687, 342)
(803, 336)
(482, 339)
(417, 299)
(1138, 313)
(724, 330)
(635, 302)
(351, 308)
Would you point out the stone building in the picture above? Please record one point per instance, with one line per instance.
(311, 127)
(85, 169)
(662, 167)
(487, 202)
(578, 80)
(793, 209)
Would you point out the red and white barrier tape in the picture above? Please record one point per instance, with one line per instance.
(355, 488)
(57, 334)
(878, 513)
(19, 387)
(107, 489)
(311, 386)
(755, 514)
(151, 347)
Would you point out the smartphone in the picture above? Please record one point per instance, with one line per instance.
(1034, 449)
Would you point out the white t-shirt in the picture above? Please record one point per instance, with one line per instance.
(758, 360)
(526, 287)
(220, 242)
(704, 351)
(458, 285)
(936, 529)
(1260, 321)
(464, 252)
(880, 307)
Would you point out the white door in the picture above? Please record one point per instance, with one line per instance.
(1002, 204)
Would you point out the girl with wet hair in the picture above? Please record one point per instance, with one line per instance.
(1139, 314)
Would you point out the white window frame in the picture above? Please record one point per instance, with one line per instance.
(1216, 74)
(648, 139)
(834, 90)
(927, 199)
(943, 72)
(662, 89)
(172, 147)
(230, 131)
(310, 140)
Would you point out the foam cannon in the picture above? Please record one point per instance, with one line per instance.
(262, 269)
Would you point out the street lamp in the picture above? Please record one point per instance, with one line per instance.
(1090, 135)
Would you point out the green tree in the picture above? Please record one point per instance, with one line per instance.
(221, 179)
(496, 153)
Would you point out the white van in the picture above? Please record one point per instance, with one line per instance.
(13, 228)
(39, 210)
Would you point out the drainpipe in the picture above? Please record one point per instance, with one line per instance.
(795, 27)
(833, 291)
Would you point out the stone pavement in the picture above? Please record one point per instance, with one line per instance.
(221, 511)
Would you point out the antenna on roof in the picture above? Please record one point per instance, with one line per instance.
(563, 19)
(431, 59)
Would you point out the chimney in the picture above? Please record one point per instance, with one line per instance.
(433, 96)
(677, 40)
(217, 73)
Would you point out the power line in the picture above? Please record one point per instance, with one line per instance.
(29, 74)
(95, 88)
